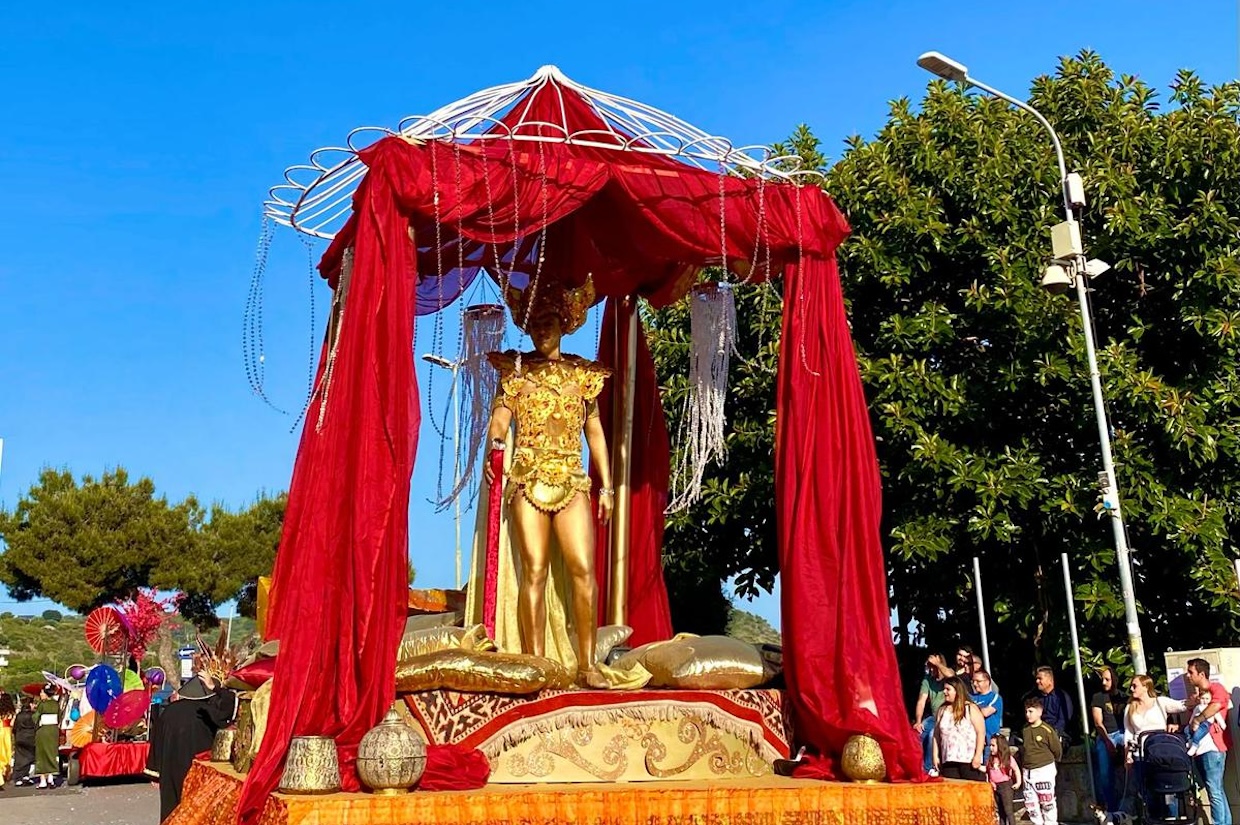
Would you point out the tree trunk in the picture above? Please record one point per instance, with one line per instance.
(167, 656)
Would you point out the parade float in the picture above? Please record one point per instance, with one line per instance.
(541, 702)
(105, 708)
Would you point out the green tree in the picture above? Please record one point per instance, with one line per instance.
(232, 550)
(975, 376)
(85, 545)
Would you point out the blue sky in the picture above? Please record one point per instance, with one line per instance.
(137, 145)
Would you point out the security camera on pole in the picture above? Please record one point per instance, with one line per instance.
(1070, 268)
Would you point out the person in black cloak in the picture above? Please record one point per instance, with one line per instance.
(186, 728)
(25, 727)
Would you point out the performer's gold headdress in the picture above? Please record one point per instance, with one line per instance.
(551, 299)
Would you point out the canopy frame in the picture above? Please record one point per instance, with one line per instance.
(316, 197)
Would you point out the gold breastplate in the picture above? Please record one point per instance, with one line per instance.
(549, 400)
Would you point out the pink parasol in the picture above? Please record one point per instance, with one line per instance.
(127, 708)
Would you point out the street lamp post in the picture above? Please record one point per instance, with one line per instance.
(1067, 236)
(455, 368)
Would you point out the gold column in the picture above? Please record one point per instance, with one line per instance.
(622, 459)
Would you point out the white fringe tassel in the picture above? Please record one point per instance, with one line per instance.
(712, 322)
(483, 333)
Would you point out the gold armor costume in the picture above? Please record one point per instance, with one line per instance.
(550, 401)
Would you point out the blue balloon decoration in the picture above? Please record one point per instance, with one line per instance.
(103, 684)
(75, 713)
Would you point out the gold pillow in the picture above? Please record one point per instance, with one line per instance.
(608, 637)
(428, 640)
(702, 663)
(479, 672)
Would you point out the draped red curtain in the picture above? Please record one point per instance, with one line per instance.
(638, 224)
(839, 659)
(341, 576)
(650, 616)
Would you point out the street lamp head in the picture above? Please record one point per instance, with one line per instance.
(1056, 280)
(940, 64)
(1095, 267)
(438, 360)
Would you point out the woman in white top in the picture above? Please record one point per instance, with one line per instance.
(1147, 711)
(959, 734)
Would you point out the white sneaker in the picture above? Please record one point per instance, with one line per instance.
(934, 772)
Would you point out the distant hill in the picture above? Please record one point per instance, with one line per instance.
(49, 642)
(53, 641)
(751, 628)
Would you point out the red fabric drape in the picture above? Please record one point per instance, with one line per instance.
(454, 768)
(839, 660)
(340, 580)
(490, 588)
(649, 613)
(100, 760)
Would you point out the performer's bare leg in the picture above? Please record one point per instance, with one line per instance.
(574, 530)
(533, 530)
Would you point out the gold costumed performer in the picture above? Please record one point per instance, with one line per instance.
(551, 399)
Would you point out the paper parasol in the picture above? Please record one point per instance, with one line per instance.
(63, 684)
(82, 732)
(126, 709)
(32, 689)
(103, 686)
(105, 630)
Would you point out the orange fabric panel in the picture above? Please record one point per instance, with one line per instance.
(210, 798)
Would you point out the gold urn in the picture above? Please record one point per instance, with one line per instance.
(311, 766)
(222, 745)
(862, 759)
(391, 756)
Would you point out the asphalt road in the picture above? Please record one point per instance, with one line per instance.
(122, 803)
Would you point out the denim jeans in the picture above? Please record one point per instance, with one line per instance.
(1210, 766)
(1105, 766)
(927, 743)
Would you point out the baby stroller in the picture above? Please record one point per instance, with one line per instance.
(1167, 780)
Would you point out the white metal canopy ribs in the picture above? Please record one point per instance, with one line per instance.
(316, 197)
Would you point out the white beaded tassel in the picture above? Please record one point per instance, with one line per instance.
(712, 323)
(483, 333)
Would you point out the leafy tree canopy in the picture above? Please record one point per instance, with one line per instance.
(92, 543)
(979, 396)
(85, 545)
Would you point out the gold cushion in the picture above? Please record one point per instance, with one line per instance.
(428, 640)
(479, 672)
(608, 637)
(700, 663)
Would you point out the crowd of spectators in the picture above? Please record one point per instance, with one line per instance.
(959, 716)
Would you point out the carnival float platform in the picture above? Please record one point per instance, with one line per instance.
(211, 793)
(546, 190)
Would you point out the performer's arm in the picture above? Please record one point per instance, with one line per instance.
(501, 420)
(597, 440)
